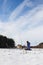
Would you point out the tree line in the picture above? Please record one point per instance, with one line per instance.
(6, 42)
(10, 43)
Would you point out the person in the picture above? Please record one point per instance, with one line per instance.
(28, 45)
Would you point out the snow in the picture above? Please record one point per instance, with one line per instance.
(21, 57)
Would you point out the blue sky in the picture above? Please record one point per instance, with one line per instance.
(22, 20)
(7, 7)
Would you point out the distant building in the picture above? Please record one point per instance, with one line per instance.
(19, 46)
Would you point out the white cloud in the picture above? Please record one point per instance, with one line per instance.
(19, 9)
(23, 28)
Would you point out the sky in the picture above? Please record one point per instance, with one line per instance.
(22, 20)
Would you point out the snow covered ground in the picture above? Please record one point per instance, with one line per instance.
(21, 57)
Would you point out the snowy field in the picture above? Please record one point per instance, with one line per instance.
(21, 57)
